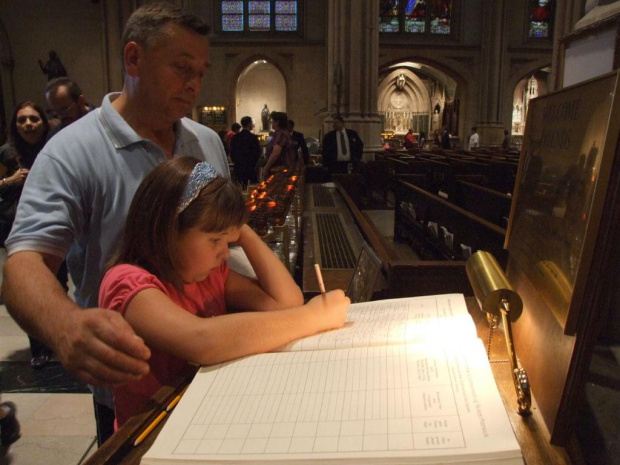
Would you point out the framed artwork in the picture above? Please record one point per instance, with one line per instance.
(569, 146)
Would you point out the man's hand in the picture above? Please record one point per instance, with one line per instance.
(96, 345)
(100, 347)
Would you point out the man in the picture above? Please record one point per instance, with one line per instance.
(341, 147)
(474, 139)
(245, 152)
(79, 191)
(66, 99)
(506, 141)
(445, 139)
(299, 142)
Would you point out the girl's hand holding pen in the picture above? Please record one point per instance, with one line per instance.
(330, 309)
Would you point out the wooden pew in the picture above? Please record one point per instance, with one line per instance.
(428, 220)
(376, 176)
(486, 203)
(407, 277)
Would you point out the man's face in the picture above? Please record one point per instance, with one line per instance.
(170, 71)
(338, 125)
(66, 108)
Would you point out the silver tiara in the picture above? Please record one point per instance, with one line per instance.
(200, 177)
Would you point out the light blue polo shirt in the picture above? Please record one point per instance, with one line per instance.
(78, 192)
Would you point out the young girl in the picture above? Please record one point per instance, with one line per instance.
(170, 277)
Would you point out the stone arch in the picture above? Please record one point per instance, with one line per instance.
(259, 81)
(402, 107)
(454, 85)
(519, 103)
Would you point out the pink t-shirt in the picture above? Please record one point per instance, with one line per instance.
(205, 299)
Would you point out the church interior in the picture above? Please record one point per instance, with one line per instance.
(387, 67)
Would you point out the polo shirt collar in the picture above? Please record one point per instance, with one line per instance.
(123, 135)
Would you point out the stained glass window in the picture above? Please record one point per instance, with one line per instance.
(441, 10)
(388, 16)
(259, 7)
(541, 18)
(416, 16)
(232, 16)
(286, 15)
(260, 15)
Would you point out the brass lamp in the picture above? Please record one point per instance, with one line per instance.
(497, 298)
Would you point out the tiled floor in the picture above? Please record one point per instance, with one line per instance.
(56, 428)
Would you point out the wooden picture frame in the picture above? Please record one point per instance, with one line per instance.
(558, 227)
(568, 149)
(365, 274)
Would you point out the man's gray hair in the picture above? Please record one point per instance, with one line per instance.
(147, 21)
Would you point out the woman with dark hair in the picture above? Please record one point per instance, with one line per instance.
(27, 133)
(279, 150)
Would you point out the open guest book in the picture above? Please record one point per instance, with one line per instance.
(405, 381)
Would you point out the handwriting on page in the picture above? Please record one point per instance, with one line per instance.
(395, 322)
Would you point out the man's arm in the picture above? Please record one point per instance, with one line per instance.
(96, 345)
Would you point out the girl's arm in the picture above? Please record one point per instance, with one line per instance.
(274, 288)
(164, 325)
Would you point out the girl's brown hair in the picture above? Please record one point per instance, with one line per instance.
(154, 225)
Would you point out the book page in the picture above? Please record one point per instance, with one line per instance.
(389, 404)
(396, 321)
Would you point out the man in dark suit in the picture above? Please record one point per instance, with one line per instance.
(299, 142)
(445, 139)
(341, 147)
(245, 152)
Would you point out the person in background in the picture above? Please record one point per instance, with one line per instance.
(474, 139)
(445, 139)
(506, 141)
(79, 191)
(67, 101)
(279, 149)
(27, 132)
(299, 142)
(341, 147)
(410, 141)
(234, 129)
(422, 139)
(245, 151)
(172, 284)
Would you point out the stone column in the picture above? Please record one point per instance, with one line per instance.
(353, 68)
(489, 123)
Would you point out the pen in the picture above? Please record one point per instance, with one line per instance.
(159, 417)
(319, 277)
